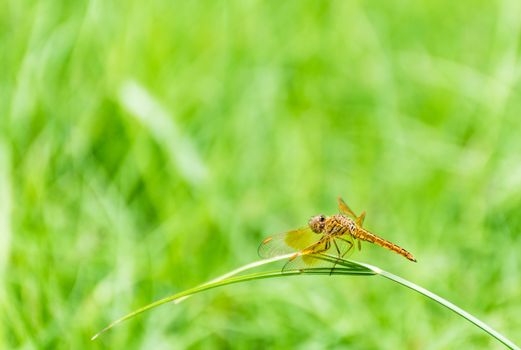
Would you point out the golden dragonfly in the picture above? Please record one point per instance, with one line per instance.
(337, 233)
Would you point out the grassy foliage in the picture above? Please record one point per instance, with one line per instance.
(147, 147)
(342, 267)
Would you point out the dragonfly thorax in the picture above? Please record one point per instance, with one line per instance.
(317, 223)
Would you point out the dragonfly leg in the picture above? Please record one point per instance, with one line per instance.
(340, 255)
(348, 242)
(337, 249)
(326, 248)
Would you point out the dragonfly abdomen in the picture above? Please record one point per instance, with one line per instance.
(370, 237)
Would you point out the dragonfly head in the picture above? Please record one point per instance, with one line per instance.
(317, 223)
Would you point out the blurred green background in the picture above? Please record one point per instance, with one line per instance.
(148, 147)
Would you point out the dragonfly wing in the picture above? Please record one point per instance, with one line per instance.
(341, 247)
(344, 208)
(360, 220)
(306, 244)
(288, 242)
(307, 259)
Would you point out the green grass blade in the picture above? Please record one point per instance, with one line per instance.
(239, 270)
(348, 268)
(445, 303)
(343, 267)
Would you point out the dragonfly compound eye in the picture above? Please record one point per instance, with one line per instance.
(317, 223)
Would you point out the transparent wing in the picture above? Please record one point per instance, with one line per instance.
(288, 242)
(342, 247)
(344, 208)
(305, 258)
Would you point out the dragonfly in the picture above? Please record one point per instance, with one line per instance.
(338, 234)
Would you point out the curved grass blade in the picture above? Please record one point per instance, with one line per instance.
(355, 269)
(343, 262)
(239, 270)
(459, 311)
(342, 267)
